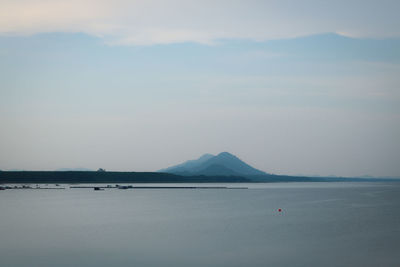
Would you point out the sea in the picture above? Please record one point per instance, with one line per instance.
(264, 224)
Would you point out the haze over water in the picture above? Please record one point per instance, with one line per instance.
(292, 87)
(321, 224)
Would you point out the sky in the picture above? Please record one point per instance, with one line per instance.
(290, 87)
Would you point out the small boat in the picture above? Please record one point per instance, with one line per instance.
(124, 186)
(98, 189)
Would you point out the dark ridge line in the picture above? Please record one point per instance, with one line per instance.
(88, 177)
(79, 177)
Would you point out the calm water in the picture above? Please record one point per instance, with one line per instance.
(321, 224)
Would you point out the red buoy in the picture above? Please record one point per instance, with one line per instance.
(280, 210)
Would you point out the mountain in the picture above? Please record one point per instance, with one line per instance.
(224, 164)
(187, 166)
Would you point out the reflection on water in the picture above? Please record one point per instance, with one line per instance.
(321, 224)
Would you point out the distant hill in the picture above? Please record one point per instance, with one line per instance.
(224, 164)
(222, 168)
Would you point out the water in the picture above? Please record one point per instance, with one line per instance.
(321, 224)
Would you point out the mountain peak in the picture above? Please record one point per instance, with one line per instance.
(225, 154)
(223, 164)
(206, 156)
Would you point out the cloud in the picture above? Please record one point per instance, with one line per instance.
(161, 22)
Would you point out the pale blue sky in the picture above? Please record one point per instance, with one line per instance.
(318, 94)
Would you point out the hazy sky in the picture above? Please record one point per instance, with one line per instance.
(291, 87)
